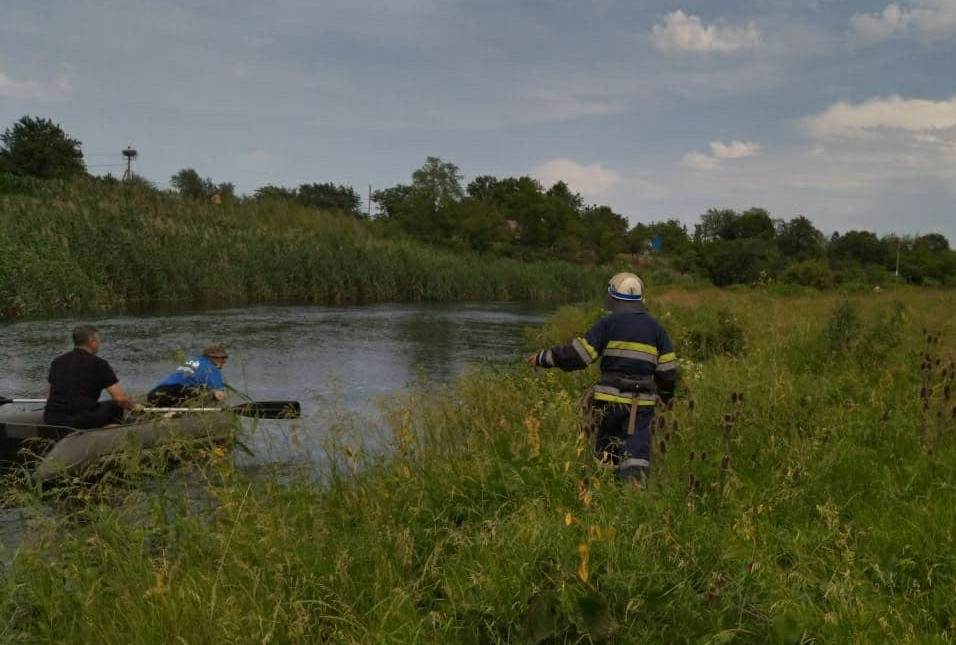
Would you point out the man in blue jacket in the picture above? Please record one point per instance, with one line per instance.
(638, 367)
(194, 380)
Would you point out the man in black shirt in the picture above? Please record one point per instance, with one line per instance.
(76, 380)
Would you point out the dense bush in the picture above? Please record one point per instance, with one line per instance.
(810, 273)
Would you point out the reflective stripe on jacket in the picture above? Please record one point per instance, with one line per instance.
(636, 354)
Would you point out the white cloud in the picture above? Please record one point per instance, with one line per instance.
(718, 151)
(592, 179)
(681, 33)
(735, 149)
(926, 19)
(58, 87)
(890, 113)
(699, 161)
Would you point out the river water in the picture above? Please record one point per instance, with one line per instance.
(338, 361)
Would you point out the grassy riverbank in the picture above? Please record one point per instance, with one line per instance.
(89, 247)
(823, 508)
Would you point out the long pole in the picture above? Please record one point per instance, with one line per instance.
(369, 212)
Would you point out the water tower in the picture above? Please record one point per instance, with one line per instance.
(130, 154)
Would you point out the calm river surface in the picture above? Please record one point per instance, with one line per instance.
(338, 361)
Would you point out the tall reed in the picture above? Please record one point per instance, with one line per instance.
(88, 247)
(817, 516)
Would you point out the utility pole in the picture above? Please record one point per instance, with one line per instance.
(369, 212)
(130, 154)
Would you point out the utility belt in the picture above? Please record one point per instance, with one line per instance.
(623, 389)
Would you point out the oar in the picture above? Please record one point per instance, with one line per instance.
(4, 400)
(258, 409)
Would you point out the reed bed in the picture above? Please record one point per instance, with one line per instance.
(802, 491)
(89, 247)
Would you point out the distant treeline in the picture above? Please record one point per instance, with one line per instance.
(519, 217)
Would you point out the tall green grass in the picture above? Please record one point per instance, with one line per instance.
(802, 491)
(85, 247)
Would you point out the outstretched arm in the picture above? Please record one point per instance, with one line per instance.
(576, 355)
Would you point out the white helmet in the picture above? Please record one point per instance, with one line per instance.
(627, 287)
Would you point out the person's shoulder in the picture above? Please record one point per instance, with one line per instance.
(99, 361)
(64, 357)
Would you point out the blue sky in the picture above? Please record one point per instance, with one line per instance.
(840, 110)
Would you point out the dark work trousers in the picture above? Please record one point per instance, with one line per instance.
(613, 444)
(105, 413)
(172, 396)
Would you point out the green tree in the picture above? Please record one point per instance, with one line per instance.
(482, 187)
(479, 223)
(275, 192)
(190, 185)
(329, 196)
(545, 222)
(800, 240)
(715, 224)
(862, 247)
(926, 259)
(439, 180)
(740, 261)
(39, 147)
(754, 223)
(388, 201)
(604, 232)
(562, 192)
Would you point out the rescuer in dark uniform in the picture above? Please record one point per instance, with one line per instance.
(638, 366)
(77, 379)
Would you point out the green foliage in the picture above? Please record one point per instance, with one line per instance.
(843, 329)
(605, 232)
(11, 184)
(792, 500)
(714, 333)
(740, 261)
(862, 247)
(101, 246)
(37, 147)
(512, 216)
(329, 196)
(800, 240)
(190, 185)
(278, 193)
(810, 273)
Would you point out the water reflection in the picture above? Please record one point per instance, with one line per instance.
(335, 360)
